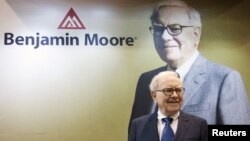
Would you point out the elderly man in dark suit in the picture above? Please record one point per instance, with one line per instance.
(167, 92)
(213, 91)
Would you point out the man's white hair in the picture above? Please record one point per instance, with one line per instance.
(162, 75)
(193, 14)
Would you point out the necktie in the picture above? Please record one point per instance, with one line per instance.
(167, 134)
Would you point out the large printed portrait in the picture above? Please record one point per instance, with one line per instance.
(182, 36)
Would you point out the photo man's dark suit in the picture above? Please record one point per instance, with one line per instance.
(212, 91)
(190, 128)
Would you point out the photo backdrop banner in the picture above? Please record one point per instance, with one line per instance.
(69, 68)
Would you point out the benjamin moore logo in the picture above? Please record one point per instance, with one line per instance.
(71, 21)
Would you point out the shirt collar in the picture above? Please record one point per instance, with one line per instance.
(160, 115)
(184, 68)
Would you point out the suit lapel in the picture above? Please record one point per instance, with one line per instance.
(150, 132)
(183, 127)
(194, 78)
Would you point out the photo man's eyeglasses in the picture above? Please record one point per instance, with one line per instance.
(173, 29)
(170, 91)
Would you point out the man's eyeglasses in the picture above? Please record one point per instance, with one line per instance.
(170, 91)
(173, 29)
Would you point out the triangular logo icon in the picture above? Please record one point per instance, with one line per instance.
(71, 21)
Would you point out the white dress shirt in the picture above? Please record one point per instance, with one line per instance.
(184, 68)
(161, 124)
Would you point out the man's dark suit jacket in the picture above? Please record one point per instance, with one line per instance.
(212, 91)
(189, 128)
